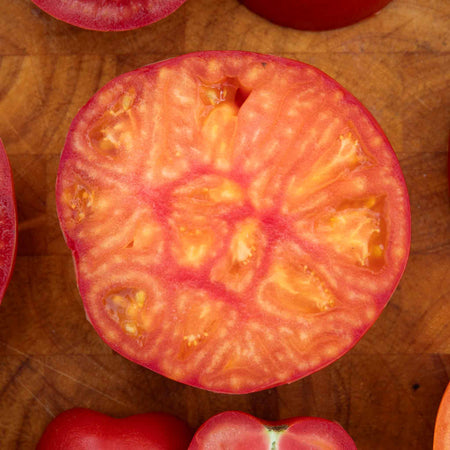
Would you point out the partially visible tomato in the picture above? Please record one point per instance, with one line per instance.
(315, 14)
(84, 429)
(442, 425)
(235, 430)
(8, 222)
(109, 15)
(238, 221)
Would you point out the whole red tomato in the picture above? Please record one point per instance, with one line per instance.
(237, 220)
(8, 222)
(442, 425)
(234, 430)
(315, 14)
(84, 429)
(116, 15)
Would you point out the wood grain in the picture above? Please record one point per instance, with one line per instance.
(385, 391)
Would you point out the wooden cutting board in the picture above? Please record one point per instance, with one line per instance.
(386, 390)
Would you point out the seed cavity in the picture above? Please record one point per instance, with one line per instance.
(294, 287)
(238, 266)
(124, 103)
(343, 157)
(193, 340)
(193, 245)
(108, 134)
(357, 230)
(125, 306)
(228, 90)
(80, 200)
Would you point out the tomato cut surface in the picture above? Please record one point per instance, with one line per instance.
(109, 15)
(85, 429)
(237, 220)
(8, 222)
(442, 425)
(315, 14)
(234, 430)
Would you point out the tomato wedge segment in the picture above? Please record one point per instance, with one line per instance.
(235, 430)
(8, 222)
(109, 15)
(237, 220)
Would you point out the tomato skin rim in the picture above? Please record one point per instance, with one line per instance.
(290, 62)
(314, 15)
(314, 422)
(8, 188)
(52, 8)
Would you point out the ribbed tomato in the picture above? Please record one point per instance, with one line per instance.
(109, 15)
(442, 425)
(234, 430)
(315, 14)
(8, 222)
(238, 221)
(84, 429)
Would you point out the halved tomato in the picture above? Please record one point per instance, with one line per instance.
(109, 15)
(442, 425)
(235, 430)
(315, 14)
(238, 221)
(8, 222)
(85, 429)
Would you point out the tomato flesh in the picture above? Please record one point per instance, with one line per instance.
(109, 15)
(315, 14)
(8, 222)
(238, 221)
(235, 430)
(85, 429)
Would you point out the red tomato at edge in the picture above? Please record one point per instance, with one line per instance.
(315, 14)
(235, 430)
(84, 429)
(116, 15)
(8, 222)
(442, 425)
(238, 221)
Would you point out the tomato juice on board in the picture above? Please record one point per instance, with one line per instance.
(237, 220)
